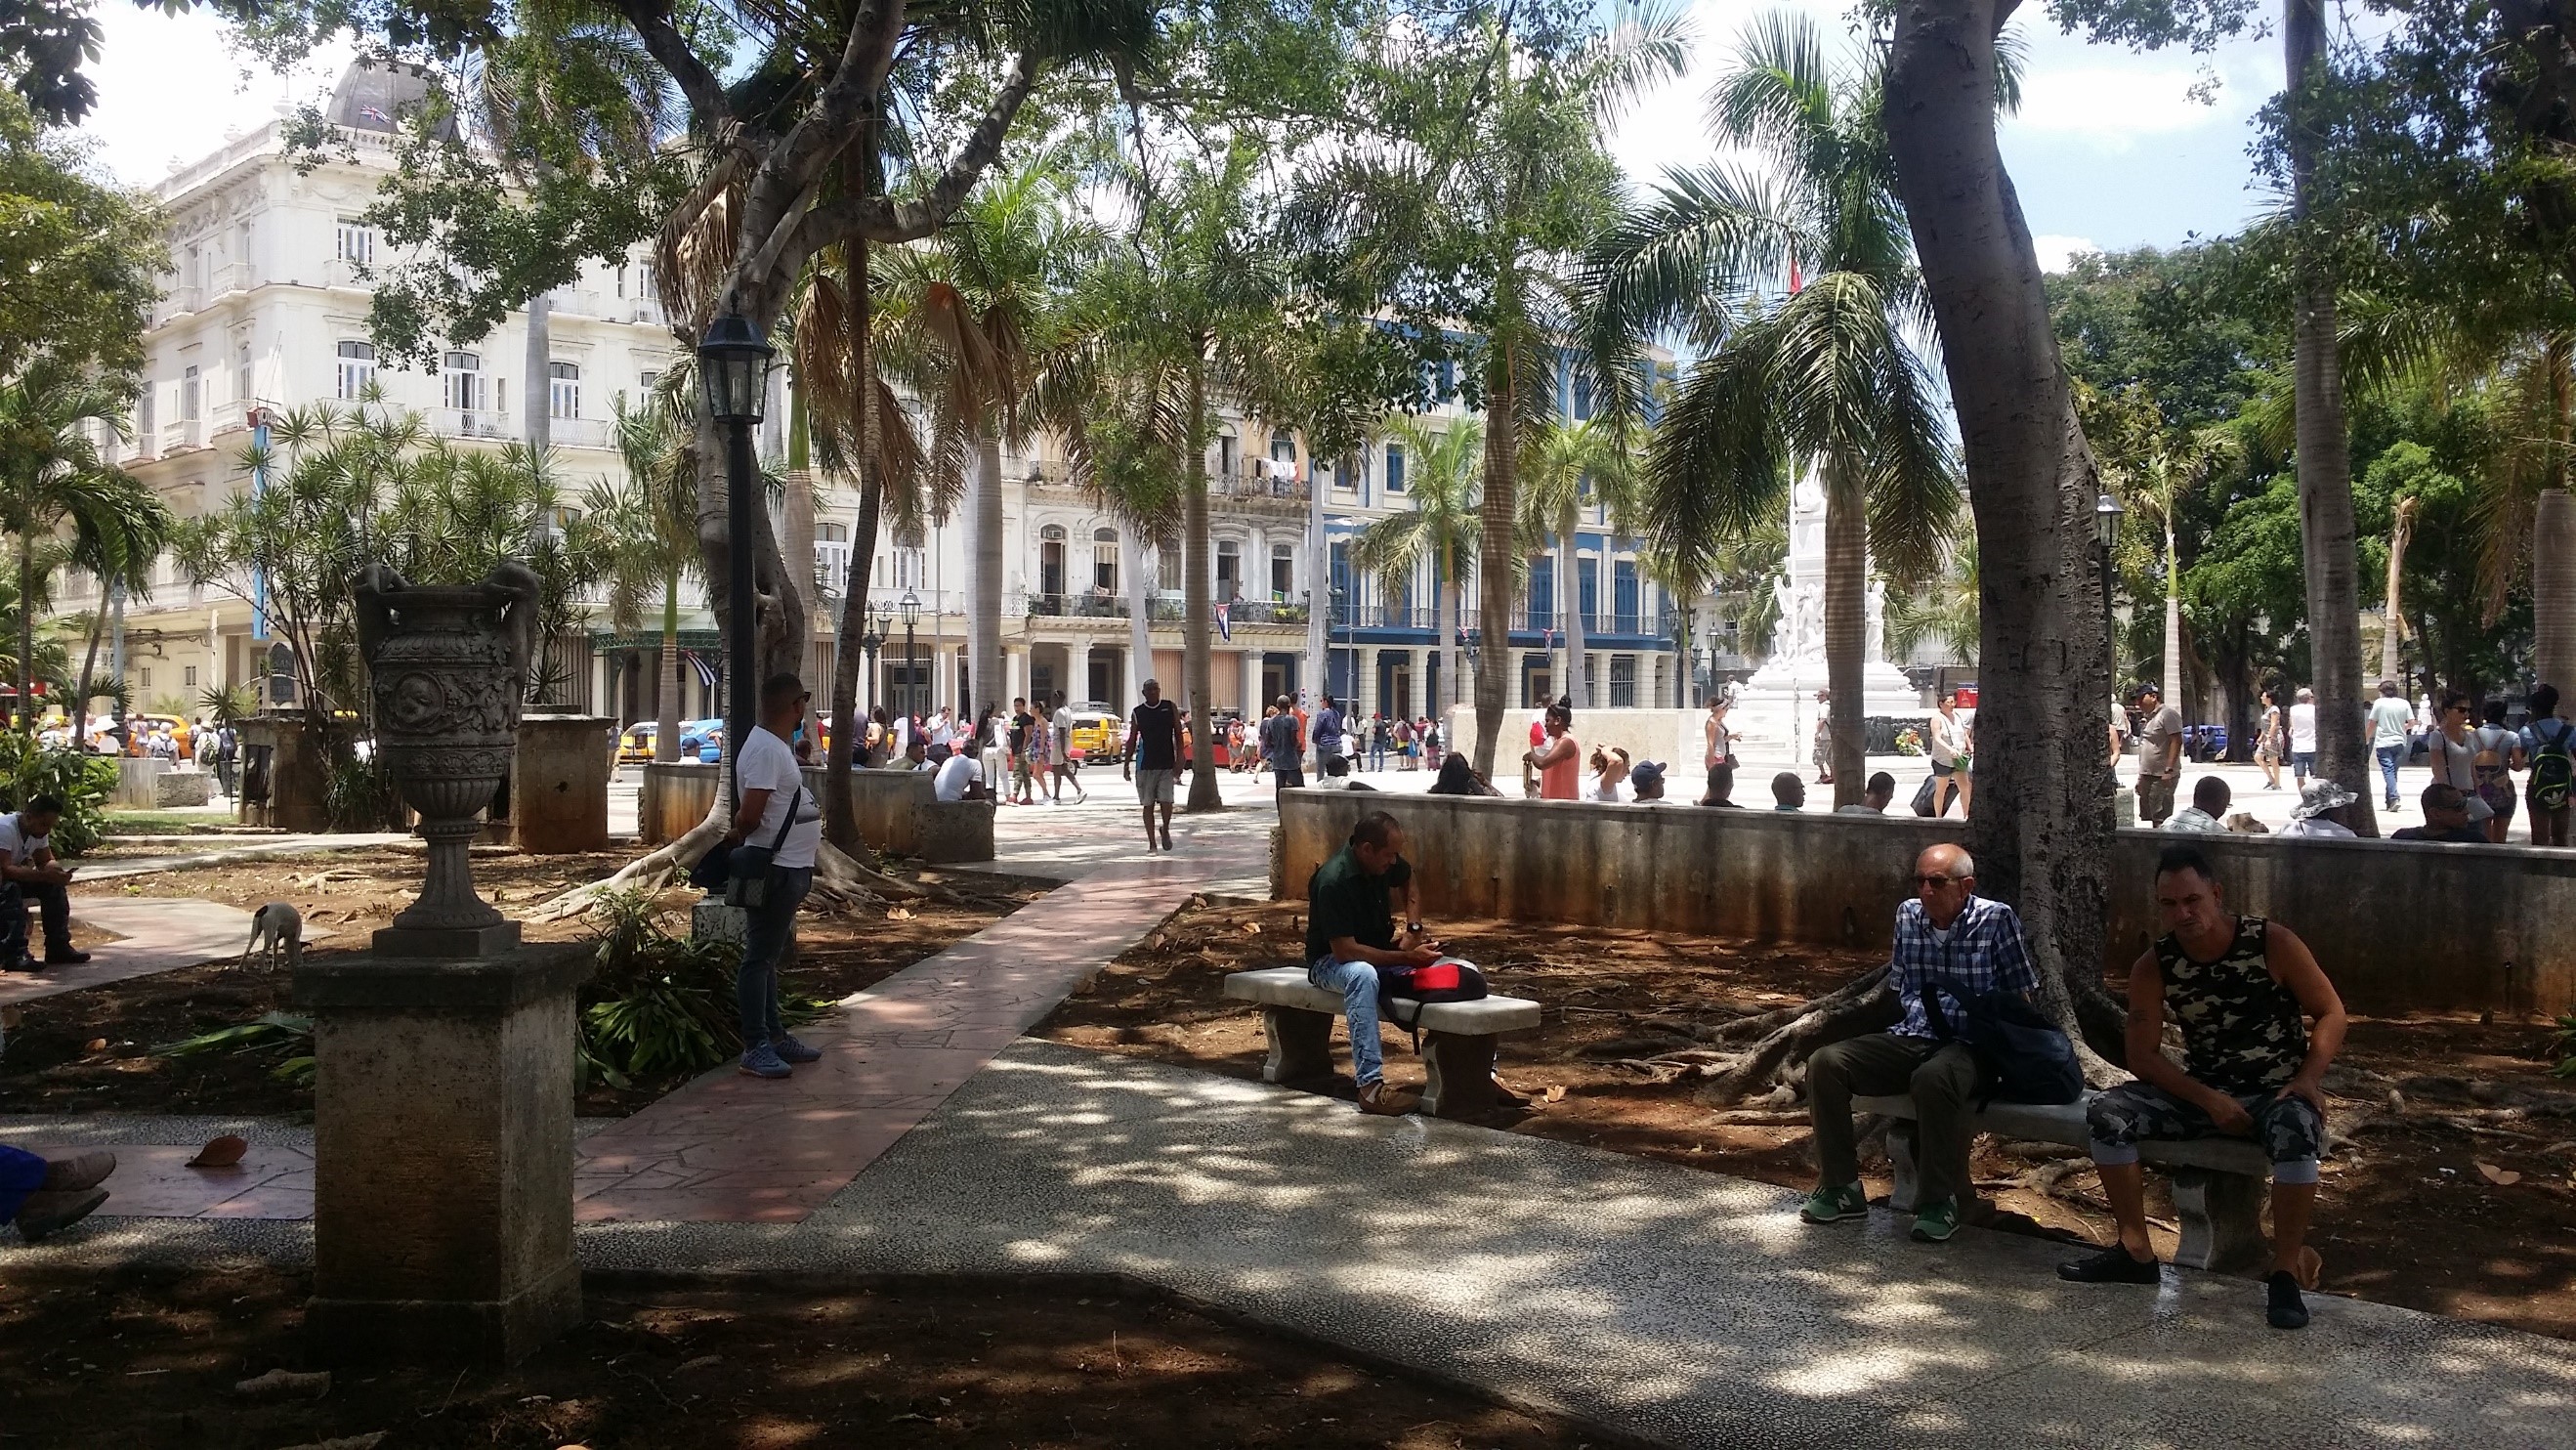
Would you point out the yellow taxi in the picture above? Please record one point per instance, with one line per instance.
(635, 742)
(1096, 732)
(139, 729)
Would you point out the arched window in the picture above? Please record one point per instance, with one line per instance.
(563, 390)
(1104, 561)
(1283, 446)
(357, 369)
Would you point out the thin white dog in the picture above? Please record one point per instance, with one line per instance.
(275, 929)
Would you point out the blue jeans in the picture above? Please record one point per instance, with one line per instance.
(21, 1173)
(1357, 982)
(2390, 757)
(765, 939)
(2304, 763)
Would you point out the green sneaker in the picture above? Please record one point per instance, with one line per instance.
(1832, 1205)
(1934, 1222)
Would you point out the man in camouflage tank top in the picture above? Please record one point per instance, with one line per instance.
(2243, 990)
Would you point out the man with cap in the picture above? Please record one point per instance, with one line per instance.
(2319, 815)
(1646, 780)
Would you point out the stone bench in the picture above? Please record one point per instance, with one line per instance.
(1458, 1038)
(2219, 1184)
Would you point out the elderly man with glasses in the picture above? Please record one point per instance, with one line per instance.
(1952, 947)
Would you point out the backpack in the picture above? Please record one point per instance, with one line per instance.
(2553, 770)
(1446, 980)
(1923, 795)
(2021, 1056)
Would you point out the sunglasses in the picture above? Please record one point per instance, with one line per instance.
(1936, 882)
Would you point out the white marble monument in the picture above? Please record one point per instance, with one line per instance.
(1778, 704)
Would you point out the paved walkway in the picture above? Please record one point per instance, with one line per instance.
(155, 934)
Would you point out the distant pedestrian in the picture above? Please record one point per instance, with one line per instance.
(1282, 748)
(1947, 744)
(2303, 735)
(1152, 757)
(2208, 809)
(2159, 755)
(2390, 720)
(1378, 742)
(1024, 727)
(1327, 736)
(2549, 746)
(2499, 755)
(1719, 740)
(2321, 811)
(2271, 740)
(1067, 770)
(1824, 752)
(2451, 751)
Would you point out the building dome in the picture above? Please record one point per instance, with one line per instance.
(377, 97)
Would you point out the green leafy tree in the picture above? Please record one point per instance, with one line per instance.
(1442, 488)
(80, 257)
(647, 529)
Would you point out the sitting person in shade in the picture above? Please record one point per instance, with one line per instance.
(2319, 815)
(2446, 818)
(2243, 990)
(1646, 778)
(1788, 792)
(2207, 812)
(1952, 946)
(1458, 777)
(44, 1196)
(1721, 788)
(1874, 797)
(1351, 932)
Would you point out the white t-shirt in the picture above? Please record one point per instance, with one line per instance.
(955, 774)
(22, 848)
(767, 764)
(1064, 733)
(1948, 735)
(942, 730)
(2303, 728)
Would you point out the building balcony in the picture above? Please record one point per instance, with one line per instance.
(470, 423)
(577, 432)
(184, 434)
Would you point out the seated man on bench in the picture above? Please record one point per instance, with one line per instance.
(28, 871)
(1350, 933)
(1952, 946)
(2252, 1068)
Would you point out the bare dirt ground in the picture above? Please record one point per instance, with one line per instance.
(91, 1051)
(148, 1359)
(2411, 1213)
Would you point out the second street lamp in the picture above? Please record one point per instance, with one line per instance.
(911, 607)
(2106, 532)
(733, 366)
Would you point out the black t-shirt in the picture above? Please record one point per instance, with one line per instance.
(1158, 735)
(1343, 899)
(1020, 726)
(2461, 836)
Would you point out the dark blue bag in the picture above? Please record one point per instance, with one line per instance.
(2021, 1056)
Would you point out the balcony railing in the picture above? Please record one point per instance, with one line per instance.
(470, 423)
(184, 433)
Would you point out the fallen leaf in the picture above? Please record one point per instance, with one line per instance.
(98, 1044)
(1252, 928)
(221, 1152)
(897, 913)
(2500, 1177)
(1556, 1092)
(279, 1383)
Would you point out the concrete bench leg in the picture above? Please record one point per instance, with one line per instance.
(1301, 1044)
(1900, 1154)
(1458, 1075)
(2222, 1220)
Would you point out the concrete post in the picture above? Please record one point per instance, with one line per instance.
(559, 777)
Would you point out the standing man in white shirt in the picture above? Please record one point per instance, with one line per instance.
(773, 806)
(2392, 724)
(2303, 735)
(28, 869)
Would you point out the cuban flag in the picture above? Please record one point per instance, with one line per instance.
(706, 671)
(1224, 625)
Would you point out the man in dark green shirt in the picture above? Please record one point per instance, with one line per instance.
(1351, 932)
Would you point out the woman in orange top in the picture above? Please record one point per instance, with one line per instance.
(1560, 761)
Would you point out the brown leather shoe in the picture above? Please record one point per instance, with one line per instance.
(87, 1170)
(1376, 1098)
(46, 1214)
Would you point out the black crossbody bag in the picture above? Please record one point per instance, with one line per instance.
(743, 871)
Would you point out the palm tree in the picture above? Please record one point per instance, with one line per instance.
(1821, 379)
(1564, 467)
(52, 475)
(648, 533)
(1442, 478)
(1943, 610)
(119, 553)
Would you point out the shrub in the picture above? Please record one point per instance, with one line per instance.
(2562, 1045)
(655, 1004)
(83, 781)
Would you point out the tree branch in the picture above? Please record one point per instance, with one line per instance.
(825, 128)
(652, 22)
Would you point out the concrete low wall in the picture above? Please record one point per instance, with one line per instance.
(896, 811)
(2399, 926)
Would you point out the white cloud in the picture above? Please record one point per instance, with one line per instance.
(2113, 106)
(2056, 254)
(170, 91)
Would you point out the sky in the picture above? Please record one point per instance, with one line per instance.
(2110, 149)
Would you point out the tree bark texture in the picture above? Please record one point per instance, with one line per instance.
(2392, 632)
(1449, 587)
(840, 816)
(1197, 676)
(1319, 589)
(2040, 831)
(1140, 604)
(1846, 624)
(2553, 590)
(535, 392)
(1496, 548)
(26, 629)
(1569, 580)
(2325, 458)
(984, 579)
(666, 706)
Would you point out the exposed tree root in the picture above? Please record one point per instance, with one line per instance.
(1863, 1005)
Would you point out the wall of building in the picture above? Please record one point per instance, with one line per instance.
(2398, 926)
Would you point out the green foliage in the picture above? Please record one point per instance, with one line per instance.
(656, 1005)
(358, 796)
(82, 781)
(2562, 1045)
(82, 255)
(228, 705)
(270, 1032)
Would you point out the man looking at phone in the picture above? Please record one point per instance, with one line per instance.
(28, 870)
(1351, 932)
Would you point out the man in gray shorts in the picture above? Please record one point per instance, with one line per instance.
(1154, 751)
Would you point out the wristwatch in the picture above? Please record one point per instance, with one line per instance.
(1413, 926)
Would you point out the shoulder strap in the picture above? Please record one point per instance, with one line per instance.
(793, 802)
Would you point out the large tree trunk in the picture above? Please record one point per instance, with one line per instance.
(2325, 460)
(2173, 610)
(984, 580)
(1447, 587)
(840, 815)
(26, 629)
(1196, 674)
(1496, 546)
(666, 708)
(1846, 621)
(88, 673)
(535, 391)
(1140, 604)
(2041, 828)
(1569, 579)
(2553, 590)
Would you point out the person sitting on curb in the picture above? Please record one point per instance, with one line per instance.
(1721, 788)
(45, 1196)
(2252, 1068)
(2207, 812)
(1350, 933)
(1647, 779)
(1788, 792)
(2319, 815)
(1458, 777)
(1952, 947)
(2446, 818)
(1874, 797)
(28, 870)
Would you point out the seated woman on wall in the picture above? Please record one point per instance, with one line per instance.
(1457, 777)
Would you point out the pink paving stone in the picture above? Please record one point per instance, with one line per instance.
(154, 1181)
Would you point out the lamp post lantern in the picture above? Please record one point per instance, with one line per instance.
(2106, 532)
(870, 643)
(911, 607)
(733, 366)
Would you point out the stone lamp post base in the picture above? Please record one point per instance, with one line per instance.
(442, 1139)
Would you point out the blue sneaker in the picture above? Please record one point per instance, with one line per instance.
(791, 1050)
(762, 1061)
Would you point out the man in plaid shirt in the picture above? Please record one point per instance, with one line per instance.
(1952, 946)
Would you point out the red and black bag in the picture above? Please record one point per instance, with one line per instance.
(1446, 980)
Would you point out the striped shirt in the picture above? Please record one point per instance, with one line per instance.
(1981, 952)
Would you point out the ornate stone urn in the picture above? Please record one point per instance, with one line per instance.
(448, 665)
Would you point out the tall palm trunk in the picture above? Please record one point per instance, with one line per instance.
(1494, 596)
(984, 578)
(535, 397)
(1570, 579)
(1448, 585)
(840, 815)
(2041, 829)
(2173, 610)
(1140, 606)
(1196, 674)
(2553, 590)
(1846, 620)
(2325, 460)
(2392, 631)
(1319, 590)
(26, 629)
(666, 709)
(88, 672)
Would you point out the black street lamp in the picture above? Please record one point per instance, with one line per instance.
(911, 607)
(872, 641)
(733, 365)
(2106, 532)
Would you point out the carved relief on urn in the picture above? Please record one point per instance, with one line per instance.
(447, 666)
